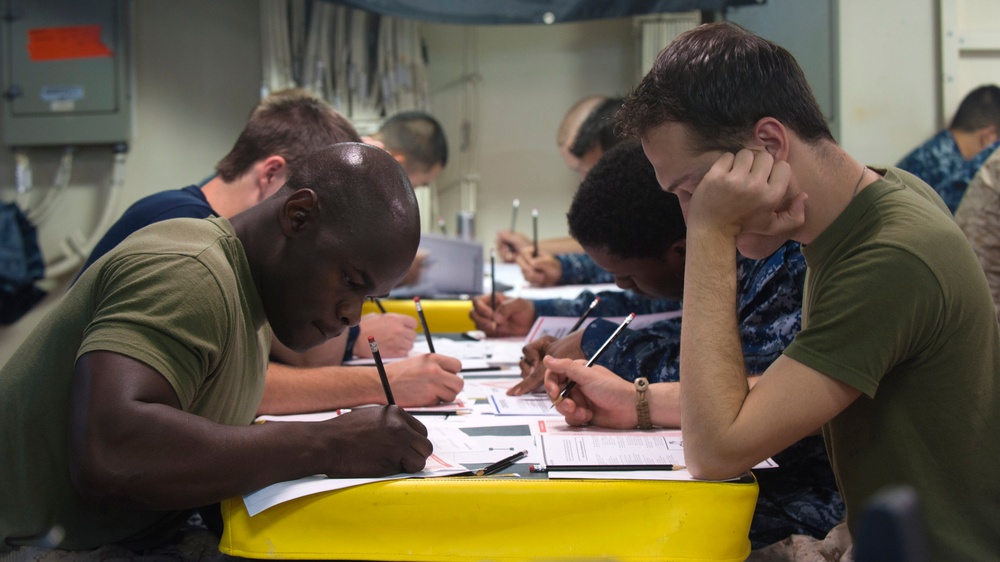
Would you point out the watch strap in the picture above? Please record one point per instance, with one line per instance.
(642, 404)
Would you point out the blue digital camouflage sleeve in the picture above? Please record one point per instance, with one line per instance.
(653, 352)
(940, 163)
(952, 188)
(935, 160)
(613, 303)
(580, 269)
(770, 301)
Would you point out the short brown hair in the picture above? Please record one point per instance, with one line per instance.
(718, 80)
(289, 123)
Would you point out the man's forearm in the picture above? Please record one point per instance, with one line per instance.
(565, 245)
(289, 390)
(712, 369)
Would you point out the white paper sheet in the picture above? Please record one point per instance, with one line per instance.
(559, 326)
(275, 494)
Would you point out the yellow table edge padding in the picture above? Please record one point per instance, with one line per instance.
(443, 316)
(502, 519)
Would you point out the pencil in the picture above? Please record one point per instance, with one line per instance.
(534, 230)
(423, 322)
(378, 303)
(513, 215)
(440, 412)
(502, 464)
(381, 370)
(541, 468)
(590, 363)
(493, 283)
(585, 314)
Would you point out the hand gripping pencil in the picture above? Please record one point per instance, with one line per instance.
(423, 322)
(381, 370)
(618, 330)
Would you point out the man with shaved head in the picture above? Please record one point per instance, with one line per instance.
(131, 403)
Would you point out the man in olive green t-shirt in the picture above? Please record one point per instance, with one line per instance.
(131, 403)
(899, 354)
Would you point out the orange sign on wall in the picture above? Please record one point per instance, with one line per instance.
(60, 43)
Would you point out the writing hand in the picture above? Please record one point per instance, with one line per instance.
(510, 243)
(512, 317)
(395, 334)
(375, 441)
(599, 398)
(425, 380)
(542, 271)
(532, 368)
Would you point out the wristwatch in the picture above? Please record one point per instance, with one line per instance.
(641, 405)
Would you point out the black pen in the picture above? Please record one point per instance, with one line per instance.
(618, 330)
(585, 314)
(423, 322)
(534, 229)
(541, 468)
(378, 303)
(381, 370)
(502, 464)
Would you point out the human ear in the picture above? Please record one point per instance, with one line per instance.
(298, 211)
(273, 173)
(770, 135)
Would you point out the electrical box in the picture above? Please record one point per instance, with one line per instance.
(66, 72)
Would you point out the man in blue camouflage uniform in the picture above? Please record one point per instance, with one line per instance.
(951, 158)
(636, 231)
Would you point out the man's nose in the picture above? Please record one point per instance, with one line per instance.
(350, 312)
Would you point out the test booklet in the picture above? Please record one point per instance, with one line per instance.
(589, 450)
(524, 405)
(559, 326)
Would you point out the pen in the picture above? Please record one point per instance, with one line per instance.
(493, 283)
(502, 464)
(541, 468)
(378, 303)
(585, 314)
(381, 370)
(423, 322)
(513, 215)
(534, 230)
(590, 363)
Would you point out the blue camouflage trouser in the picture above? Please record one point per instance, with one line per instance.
(799, 497)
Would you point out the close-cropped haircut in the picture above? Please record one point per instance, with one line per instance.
(620, 207)
(418, 136)
(598, 129)
(979, 108)
(718, 80)
(289, 123)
